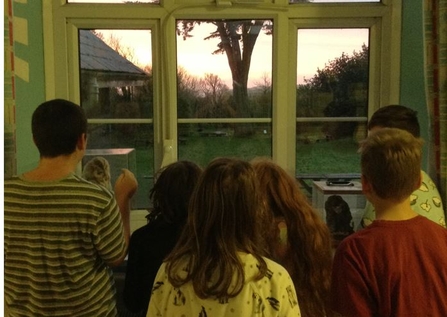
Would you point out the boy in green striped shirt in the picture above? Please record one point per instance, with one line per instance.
(62, 234)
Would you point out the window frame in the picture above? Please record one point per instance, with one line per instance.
(61, 23)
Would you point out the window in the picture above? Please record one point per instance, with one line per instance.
(113, 1)
(116, 94)
(176, 109)
(224, 89)
(332, 99)
(331, 1)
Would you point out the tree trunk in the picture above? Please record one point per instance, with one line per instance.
(239, 61)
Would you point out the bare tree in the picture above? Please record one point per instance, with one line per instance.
(215, 102)
(116, 44)
(186, 82)
(263, 96)
(213, 88)
(188, 91)
(265, 83)
(237, 41)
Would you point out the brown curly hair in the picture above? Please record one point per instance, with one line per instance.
(307, 254)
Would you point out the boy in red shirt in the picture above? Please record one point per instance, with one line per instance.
(397, 266)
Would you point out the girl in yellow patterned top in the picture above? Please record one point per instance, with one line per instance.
(218, 266)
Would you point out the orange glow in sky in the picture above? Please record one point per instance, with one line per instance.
(316, 47)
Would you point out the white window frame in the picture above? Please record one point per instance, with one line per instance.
(62, 21)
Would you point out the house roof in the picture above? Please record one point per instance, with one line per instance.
(96, 55)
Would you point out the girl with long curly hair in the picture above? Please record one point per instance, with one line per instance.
(303, 241)
(218, 267)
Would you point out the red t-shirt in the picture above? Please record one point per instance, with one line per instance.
(392, 268)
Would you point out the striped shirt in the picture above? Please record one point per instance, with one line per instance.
(58, 237)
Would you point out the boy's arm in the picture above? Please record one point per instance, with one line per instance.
(125, 187)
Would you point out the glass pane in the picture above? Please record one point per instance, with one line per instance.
(116, 89)
(331, 1)
(332, 99)
(125, 146)
(316, 153)
(201, 142)
(113, 1)
(116, 75)
(224, 72)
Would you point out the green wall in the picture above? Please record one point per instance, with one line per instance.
(31, 93)
(412, 89)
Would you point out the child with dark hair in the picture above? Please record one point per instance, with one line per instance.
(218, 266)
(396, 116)
(397, 266)
(302, 241)
(150, 244)
(426, 199)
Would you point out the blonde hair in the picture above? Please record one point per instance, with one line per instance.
(391, 162)
(97, 171)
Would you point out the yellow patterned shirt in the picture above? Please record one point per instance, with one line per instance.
(272, 296)
(426, 201)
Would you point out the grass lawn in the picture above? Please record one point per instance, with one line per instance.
(202, 149)
(324, 157)
(335, 156)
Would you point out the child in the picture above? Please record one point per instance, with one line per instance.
(62, 234)
(426, 199)
(397, 266)
(217, 268)
(302, 243)
(97, 171)
(150, 244)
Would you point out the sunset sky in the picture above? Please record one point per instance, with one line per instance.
(315, 48)
(151, 1)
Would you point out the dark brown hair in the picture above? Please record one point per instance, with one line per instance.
(172, 191)
(57, 126)
(225, 217)
(396, 116)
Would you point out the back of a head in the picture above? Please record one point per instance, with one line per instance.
(56, 126)
(226, 206)
(278, 188)
(391, 162)
(308, 258)
(396, 116)
(283, 196)
(172, 191)
(225, 217)
(97, 170)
